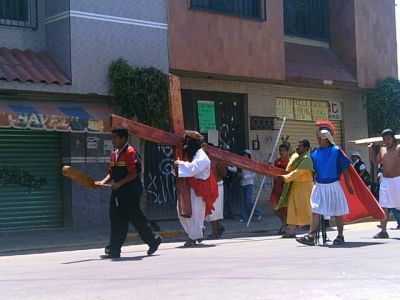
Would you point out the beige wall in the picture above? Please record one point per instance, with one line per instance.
(261, 102)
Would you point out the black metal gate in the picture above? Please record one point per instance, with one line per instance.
(230, 116)
(160, 183)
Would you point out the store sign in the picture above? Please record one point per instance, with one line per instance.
(302, 110)
(206, 111)
(335, 111)
(319, 110)
(284, 108)
(50, 122)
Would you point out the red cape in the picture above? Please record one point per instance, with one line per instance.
(362, 204)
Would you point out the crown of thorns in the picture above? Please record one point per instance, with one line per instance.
(328, 125)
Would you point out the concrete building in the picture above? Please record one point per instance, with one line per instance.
(244, 64)
(54, 60)
(261, 59)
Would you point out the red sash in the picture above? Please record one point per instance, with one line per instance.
(207, 189)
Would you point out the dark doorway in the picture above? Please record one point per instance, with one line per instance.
(230, 122)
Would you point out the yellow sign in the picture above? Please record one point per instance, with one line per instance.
(319, 110)
(284, 108)
(302, 110)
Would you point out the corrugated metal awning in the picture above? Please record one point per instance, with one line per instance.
(55, 116)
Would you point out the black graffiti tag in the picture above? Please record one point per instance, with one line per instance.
(14, 175)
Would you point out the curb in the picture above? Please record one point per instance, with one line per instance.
(132, 237)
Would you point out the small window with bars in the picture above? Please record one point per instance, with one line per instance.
(18, 13)
(254, 9)
(307, 19)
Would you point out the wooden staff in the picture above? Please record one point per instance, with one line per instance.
(269, 161)
(371, 140)
(81, 178)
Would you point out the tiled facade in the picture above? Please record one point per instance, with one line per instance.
(225, 45)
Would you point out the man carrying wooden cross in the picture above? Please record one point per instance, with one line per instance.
(203, 186)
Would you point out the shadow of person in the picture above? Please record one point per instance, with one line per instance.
(355, 244)
(119, 259)
(197, 246)
(132, 258)
(81, 261)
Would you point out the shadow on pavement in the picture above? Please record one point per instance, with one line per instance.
(197, 246)
(355, 245)
(101, 245)
(132, 258)
(81, 261)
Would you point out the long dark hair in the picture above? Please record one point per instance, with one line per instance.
(193, 141)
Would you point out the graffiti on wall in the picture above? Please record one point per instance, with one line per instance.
(161, 187)
(14, 175)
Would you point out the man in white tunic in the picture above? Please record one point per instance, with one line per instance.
(203, 187)
(389, 192)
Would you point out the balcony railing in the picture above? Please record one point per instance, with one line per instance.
(253, 9)
(18, 13)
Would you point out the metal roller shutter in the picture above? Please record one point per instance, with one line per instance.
(298, 130)
(30, 180)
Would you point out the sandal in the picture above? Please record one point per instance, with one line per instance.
(189, 243)
(221, 231)
(289, 235)
(381, 235)
(339, 240)
(306, 240)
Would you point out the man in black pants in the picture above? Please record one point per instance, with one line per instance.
(124, 171)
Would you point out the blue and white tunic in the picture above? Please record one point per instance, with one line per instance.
(327, 197)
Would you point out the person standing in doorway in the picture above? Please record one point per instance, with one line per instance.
(246, 191)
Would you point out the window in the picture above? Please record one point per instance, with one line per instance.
(18, 13)
(306, 18)
(244, 8)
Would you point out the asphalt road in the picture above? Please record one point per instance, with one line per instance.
(252, 267)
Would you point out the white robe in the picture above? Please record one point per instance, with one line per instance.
(218, 213)
(198, 168)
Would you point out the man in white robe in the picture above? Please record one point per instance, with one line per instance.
(198, 170)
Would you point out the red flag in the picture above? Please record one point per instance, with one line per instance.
(362, 204)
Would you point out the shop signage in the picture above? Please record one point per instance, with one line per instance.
(51, 122)
(206, 111)
(335, 111)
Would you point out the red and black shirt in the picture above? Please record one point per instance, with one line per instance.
(123, 162)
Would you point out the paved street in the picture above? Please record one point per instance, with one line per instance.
(237, 267)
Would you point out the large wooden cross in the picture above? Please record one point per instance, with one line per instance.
(175, 139)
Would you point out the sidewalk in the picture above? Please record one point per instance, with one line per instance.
(50, 240)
